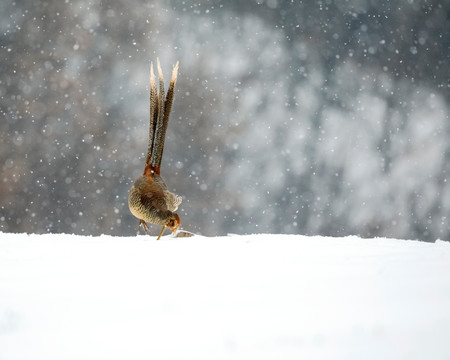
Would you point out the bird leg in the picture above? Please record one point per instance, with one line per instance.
(144, 225)
(146, 228)
(162, 230)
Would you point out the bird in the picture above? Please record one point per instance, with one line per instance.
(149, 199)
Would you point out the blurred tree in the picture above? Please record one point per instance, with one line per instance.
(313, 117)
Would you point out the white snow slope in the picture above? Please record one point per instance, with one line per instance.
(236, 297)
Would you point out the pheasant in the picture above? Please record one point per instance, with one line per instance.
(149, 200)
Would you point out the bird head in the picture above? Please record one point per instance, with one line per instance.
(174, 223)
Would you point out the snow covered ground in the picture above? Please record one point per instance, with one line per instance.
(234, 297)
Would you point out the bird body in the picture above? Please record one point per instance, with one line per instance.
(149, 199)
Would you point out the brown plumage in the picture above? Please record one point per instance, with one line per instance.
(149, 199)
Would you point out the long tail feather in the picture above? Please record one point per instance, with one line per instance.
(164, 108)
(167, 109)
(153, 117)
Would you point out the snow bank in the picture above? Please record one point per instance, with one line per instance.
(235, 297)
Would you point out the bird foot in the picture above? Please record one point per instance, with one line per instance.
(144, 225)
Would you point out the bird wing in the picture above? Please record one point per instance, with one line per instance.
(151, 200)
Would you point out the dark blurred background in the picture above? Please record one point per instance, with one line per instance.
(306, 117)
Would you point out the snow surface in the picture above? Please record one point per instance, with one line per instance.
(234, 297)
